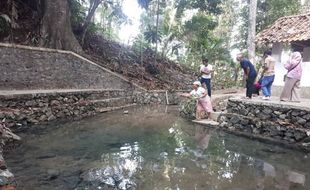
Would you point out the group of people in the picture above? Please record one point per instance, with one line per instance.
(292, 79)
(202, 89)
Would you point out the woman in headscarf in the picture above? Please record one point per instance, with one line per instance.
(291, 89)
(203, 104)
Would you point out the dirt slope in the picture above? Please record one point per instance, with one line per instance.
(162, 74)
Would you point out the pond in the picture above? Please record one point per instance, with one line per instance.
(151, 148)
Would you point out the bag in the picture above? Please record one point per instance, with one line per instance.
(284, 78)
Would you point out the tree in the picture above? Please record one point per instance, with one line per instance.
(56, 31)
(252, 30)
(91, 11)
(268, 11)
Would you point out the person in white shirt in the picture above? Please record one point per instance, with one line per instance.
(206, 71)
(204, 104)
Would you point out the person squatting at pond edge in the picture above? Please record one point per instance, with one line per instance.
(206, 72)
(268, 74)
(291, 89)
(203, 103)
(249, 74)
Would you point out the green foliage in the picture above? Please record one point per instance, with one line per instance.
(151, 36)
(144, 3)
(207, 6)
(4, 24)
(268, 11)
(78, 13)
(188, 109)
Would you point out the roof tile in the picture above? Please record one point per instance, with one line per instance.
(287, 29)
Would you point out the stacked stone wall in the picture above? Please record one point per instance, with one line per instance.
(279, 122)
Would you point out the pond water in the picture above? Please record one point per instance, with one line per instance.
(151, 148)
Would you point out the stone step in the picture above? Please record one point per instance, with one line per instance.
(112, 102)
(215, 115)
(108, 94)
(207, 122)
(107, 109)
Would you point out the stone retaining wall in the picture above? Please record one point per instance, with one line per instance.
(277, 122)
(38, 108)
(26, 68)
(158, 97)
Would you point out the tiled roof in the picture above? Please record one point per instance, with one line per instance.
(287, 29)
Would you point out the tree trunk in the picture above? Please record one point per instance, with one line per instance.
(91, 12)
(56, 27)
(157, 22)
(252, 30)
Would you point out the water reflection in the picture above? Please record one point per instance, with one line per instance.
(154, 149)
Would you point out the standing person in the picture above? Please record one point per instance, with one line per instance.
(249, 74)
(206, 71)
(268, 74)
(203, 104)
(291, 89)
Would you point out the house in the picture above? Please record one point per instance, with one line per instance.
(290, 32)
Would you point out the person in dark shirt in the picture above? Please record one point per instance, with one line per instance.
(249, 74)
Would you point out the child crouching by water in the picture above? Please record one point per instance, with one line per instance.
(203, 104)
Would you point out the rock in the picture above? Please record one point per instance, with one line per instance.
(55, 103)
(267, 111)
(282, 116)
(245, 121)
(43, 118)
(306, 117)
(234, 119)
(301, 121)
(306, 140)
(52, 174)
(51, 117)
(126, 184)
(244, 111)
(30, 103)
(76, 112)
(299, 135)
(295, 113)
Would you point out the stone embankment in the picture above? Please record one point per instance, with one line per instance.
(274, 122)
(22, 110)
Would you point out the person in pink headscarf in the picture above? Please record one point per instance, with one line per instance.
(291, 89)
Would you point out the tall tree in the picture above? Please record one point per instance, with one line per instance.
(252, 30)
(56, 31)
(91, 12)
